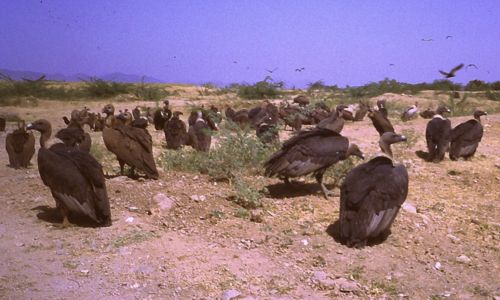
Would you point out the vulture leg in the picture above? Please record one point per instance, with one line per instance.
(122, 165)
(286, 180)
(319, 178)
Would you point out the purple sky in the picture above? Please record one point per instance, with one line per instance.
(339, 42)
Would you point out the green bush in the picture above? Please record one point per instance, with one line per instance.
(104, 89)
(260, 90)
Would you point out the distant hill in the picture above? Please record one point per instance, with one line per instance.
(117, 76)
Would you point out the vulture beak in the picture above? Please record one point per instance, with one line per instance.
(29, 126)
(403, 138)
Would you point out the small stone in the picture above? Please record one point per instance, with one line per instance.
(133, 208)
(463, 259)
(230, 294)
(409, 207)
(84, 272)
(305, 242)
(19, 244)
(129, 219)
(318, 276)
(453, 238)
(198, 198)
(256, 216)
(164, 202)
(346, 286)
(437, 266)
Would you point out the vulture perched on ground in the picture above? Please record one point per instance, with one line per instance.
(438, 135)
(200, 131)
(348, 112)
(161, 116)
(380, 120)
(334, 122)
(20, 146)
(132, 146)
(427, 114)
(301, 100)
(136, 112)
(239, 117)
(371, 195)
(175, 132)
(74, 177)
(466, 136)
(2, 124)
(84, 142)
(310, 152)
(381, 108)
(361, 112)
(410, 113)
(292, 116)
(267, 132)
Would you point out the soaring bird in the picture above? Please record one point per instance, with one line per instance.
(74, 177)
(311, 151)
(471, 66)
(466, 136)
(452, 72)
(271, 71)
(371, 196)
(427, 40)
(438, 135)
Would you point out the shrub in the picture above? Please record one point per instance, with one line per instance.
(103, 89)
(260, 90)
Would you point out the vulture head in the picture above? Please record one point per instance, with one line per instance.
(354, 150)
(442, 109)
(71, 136)
(166, 103)
(109, 109)
(478, 113)
(42, 126)
(389, 138)
(381, 103)
(176, 114)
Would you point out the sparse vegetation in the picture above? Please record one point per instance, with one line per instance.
(264, 89)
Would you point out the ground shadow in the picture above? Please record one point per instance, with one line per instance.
(423, 155)
(333, 230)
(52, 215)
(294, 189)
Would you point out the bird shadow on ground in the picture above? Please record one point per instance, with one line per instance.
(294, 189)
(333, 230)
(52, 215)
(422, 154)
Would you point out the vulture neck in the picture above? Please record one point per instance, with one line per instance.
(386, 149)
(44, 137)
(438, 116)
(478, 118)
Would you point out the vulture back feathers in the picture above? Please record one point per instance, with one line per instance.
(438, 135)
(175, 132)
(466, 136)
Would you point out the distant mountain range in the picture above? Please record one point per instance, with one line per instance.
(117, 76)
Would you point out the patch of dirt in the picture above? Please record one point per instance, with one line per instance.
(201, 248)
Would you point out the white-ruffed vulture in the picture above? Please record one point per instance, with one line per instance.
(175, 132)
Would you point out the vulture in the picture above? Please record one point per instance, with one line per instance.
(75, 178)
(371, 195)
(334, 122)
(308, 152)
(84, 141)
(109, 111)
(381, 108)
(452, 72)
(427, 114)
(292, 116)
(2, 124)
(438, 135)
(267, 132)
(348, 112)
(361, 112)
(175, 132)
(132, 146)
(20, 146)
(380, 120)
(239, 117)
(301, 100)
(161, 116)
(409, 113)
(200, 131)
(466, 136)
(136, 112)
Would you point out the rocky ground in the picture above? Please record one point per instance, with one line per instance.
(180, 238)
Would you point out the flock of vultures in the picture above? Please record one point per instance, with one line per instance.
(371, 194)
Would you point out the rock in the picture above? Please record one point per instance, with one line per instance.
(409, 208)
(19, 244)
(463, 259)
(198, 198)
(305, 242)
(319, 276)
(453, 238)
(346, 286)
(230, 294)
(129, 219)
(257, 216)
(321, 279)
(165, 203)
(437, 266)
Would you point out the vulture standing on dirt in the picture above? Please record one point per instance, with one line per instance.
(136, 112)
(75, 178)
(200, 132)
(20, 146)
(410, 113)
(438, 135)
(132, 146)
(466, 136)
(308, 152)
(239, 117)
(371, 196)
(379, 119)
(2, 124)
(427, 113)
(175, 132)
(84, 141)
(361, 112)
(335, 122)
(267, 132)
(301, 100)
(161, 116)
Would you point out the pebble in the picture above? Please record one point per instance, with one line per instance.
(198, 198)
(230, 294)
(129, 219)
(164, 202)
(346, 286)
(437, 266)
(463, 259)
(409, 208)
(305, 242)
(453, 238)
(19, 244)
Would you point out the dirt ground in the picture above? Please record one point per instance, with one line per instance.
(444, 243)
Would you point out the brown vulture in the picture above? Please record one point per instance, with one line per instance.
(410, 113)
(75, 178)
(466, 136)
(371, 196)
(20, 146)
(200, 131)
(308, 152)
(438, 135)
(175, 132)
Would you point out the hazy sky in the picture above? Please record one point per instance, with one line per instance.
(339, 42)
